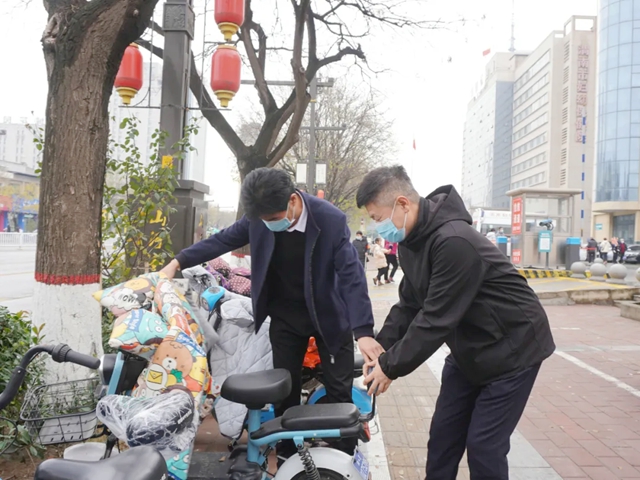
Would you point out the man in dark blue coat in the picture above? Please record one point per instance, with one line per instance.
(305, 275)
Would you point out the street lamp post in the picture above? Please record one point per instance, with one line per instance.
(190, 219)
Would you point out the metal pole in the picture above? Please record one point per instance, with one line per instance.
(178, 24)
(311, 160)
(189, 222)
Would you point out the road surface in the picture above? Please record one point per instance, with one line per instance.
(17, 268)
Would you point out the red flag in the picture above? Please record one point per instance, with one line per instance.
(486, 52)
(414, 143)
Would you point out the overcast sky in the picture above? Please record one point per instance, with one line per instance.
(425, 88)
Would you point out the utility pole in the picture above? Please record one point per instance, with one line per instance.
(311, 151)
(190, 219)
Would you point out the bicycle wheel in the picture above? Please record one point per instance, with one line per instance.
(324, 475)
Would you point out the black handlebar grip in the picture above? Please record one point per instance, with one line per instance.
(62, 353)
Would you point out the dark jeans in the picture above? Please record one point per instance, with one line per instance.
(383, 272)
(478, 418)
(289, 341)
(591, 256)
(392, 260)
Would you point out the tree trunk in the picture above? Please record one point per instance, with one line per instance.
(242, 256)
(82, 62)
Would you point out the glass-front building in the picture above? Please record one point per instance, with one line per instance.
(617, 203)
(618, 145)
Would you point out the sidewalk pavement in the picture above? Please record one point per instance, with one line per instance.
(582, 420)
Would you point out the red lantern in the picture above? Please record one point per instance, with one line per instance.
(225, 73)
(229, 16)
(129, 78)
(320, 193)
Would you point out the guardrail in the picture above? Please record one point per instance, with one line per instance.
(18, 240)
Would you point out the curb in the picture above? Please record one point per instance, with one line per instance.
(539, 273)
(588, 297)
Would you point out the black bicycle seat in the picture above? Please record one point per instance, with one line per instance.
(140, 463)
(255, 390)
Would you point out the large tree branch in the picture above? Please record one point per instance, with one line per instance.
(300, 90)
(257, 60)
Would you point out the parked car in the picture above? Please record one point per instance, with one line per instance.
(632, 255)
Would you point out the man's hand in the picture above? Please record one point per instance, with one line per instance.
(171, 269)
(378, 382)
(370, 348)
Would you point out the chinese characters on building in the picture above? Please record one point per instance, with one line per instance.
(581, 99)
(516, 216)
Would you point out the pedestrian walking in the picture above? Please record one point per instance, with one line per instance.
(380, 262)
(392, 258)
(306, 277)
(592, 249)
(491, 235)
(362, 245)
(615, 249)
(460, 290)
(605, 249)
(623, 249)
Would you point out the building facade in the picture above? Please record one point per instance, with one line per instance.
(19, 184)
(617, 201)
(486, 157)
(554, 103)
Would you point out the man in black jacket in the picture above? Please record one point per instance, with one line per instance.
(460, 290)
(362, 245)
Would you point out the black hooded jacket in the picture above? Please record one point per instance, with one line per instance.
(459, 289)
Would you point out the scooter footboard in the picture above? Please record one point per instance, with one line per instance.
(327, 458)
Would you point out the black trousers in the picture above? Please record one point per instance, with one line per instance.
(289, 341)
(480, 419)
(383, 272)
(392, 260)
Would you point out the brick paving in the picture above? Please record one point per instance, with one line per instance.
(582, 425)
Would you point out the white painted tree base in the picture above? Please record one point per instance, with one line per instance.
(70, 315)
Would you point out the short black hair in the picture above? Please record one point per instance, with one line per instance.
(266, 191)
(383, 185)
(358, 232)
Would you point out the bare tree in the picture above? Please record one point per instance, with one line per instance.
(322, 33)
(83, 44)
(365, 142)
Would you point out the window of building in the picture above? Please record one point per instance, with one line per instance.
(540, 83)
(533, 143)
(529, 163)
(624, 226)
(530, 127)
(529, 74)
(536, 105)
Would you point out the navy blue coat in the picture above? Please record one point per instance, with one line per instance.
(335, 289)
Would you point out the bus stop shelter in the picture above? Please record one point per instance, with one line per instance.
(541, 222)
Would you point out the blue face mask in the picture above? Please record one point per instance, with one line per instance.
(387, 230)
(279, 225)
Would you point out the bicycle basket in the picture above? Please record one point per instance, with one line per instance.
(61, 412)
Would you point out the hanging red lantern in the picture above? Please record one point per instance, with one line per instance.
(225, 73)
(229, 16)
(129, 78)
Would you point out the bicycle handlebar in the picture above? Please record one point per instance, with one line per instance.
(59, 353)
(63, 354)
